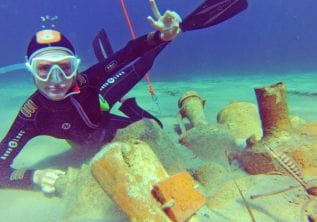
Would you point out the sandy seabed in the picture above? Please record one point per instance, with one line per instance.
(218, 90)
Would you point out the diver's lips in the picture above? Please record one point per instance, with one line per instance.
(58, 88)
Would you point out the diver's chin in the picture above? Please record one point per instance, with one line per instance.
(55, 92)
(54, 96)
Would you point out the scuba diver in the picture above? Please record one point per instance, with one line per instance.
(66, 104)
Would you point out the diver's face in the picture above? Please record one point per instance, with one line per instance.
(54, 72)
(56, 87)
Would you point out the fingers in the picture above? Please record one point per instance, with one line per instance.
(167, 20)
(168, 24)
(46, 179)
(54, 174)
(151, 21)
(156, 25)
(58, 172)
(155, 9)
(168, 17)
(48, 188)
(171, 16)
(175, 30)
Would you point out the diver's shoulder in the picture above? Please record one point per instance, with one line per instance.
(82, 79)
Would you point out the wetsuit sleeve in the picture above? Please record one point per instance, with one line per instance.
(127, 78)
(21, 131)
(98, 73)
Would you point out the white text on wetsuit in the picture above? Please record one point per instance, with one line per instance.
(13, 144)
(112, 80)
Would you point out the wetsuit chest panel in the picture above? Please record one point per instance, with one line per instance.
(59, 123)
(89, 101)
(62, 120)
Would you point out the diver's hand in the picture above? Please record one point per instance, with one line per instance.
(168, 24)
(46, 179)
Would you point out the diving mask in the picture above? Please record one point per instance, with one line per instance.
(43, 66)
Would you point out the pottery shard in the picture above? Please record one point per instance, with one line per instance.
(306, 157)
(83, 198)
(181, 196)
(192, 107)
(255, 162)
(242, 120)
(127, 172)
(208, 142)
(273, 109)
(162, 145)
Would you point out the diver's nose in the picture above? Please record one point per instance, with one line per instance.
(56, 76)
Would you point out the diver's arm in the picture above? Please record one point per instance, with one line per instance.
(98, 73)
(21, 131)
(167, 26)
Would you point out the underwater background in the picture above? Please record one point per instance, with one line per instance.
(271, 41)
(271, 36)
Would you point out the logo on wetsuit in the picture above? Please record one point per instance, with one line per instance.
(12, 144)
(17, 174)
(111, 65)
(82, 79)
(28, 108)
(66, 126)
(112, 80)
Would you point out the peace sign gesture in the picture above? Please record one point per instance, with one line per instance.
(168, 24)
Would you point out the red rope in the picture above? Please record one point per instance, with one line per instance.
(133, 35)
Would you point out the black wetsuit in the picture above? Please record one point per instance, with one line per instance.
(78, 118)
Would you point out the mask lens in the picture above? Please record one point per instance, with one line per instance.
(43, 67)
(68, 66)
